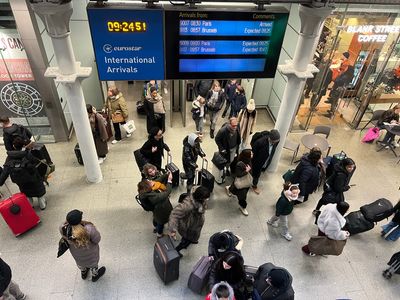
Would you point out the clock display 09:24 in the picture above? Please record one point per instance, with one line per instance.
(125, 26)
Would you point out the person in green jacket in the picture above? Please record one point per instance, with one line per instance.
(284, 207)
(158, 199)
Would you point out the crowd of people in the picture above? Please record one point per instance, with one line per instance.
(244, 161)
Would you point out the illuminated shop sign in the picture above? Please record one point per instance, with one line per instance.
(373, 33)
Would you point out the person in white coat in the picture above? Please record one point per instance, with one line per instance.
(330, 223)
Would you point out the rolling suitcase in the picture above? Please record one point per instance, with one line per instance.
(204, 177)
(357, 223)
(198, 279)
(377, 210)
(78, 154)
(166, 260)
(170, 166)
(18, 213)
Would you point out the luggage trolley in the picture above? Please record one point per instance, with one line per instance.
(394, 266)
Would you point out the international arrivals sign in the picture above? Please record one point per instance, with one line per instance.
(373, 33)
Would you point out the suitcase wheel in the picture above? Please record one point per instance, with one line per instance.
(387, 274)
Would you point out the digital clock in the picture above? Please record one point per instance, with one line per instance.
(125, 26)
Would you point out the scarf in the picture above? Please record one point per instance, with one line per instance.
(158, 105)
(158, 186)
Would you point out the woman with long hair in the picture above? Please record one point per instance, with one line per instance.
(153, 148)
(242, 169)
(83, 239)
(99, 131)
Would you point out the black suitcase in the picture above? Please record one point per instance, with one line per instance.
(377, 210)
(170, 166)
(40, 152)
(78, 154)
(189, 91)
(166, 260)
(140, 107)
(357, 223)
(204, 177)
(140, 159)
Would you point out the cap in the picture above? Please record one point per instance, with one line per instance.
(251, 105)
(346, 54)
(277, 277)
(274, 135)
(74, 217)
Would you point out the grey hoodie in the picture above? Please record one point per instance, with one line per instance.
(214, 289)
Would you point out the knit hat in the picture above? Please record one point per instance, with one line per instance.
(274, 135)
(74, 217)
(277, 277)
(251, 105)
(346, 54)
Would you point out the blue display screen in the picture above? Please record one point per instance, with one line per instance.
(128, 42)
(222, 65)
(207, 47)
(225, 28)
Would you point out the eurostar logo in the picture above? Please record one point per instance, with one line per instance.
(107, 48)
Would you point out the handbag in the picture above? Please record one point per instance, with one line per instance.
(219, 160)
(63, 246)
(129, 126)
(322, 245)
(243, 182)
(117, 117)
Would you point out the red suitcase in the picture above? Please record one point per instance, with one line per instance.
(22, 220)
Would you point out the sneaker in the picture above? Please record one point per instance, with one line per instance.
(287, 236)
(114, 142)
(100, 273)
(244, 211)
(273, 224)
(101, 160)
(256, 190)
(84, 274)
(228, 192)
(128, 135)
(42, 203)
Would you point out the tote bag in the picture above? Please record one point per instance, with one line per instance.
(129, 126)
(243, 182)
(322, 245)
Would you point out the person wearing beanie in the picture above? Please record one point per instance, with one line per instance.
(187, 218)
(117, 110)
(83, 239)
(9, 290)
(273, 283)
(190, 153)
(153, 149)
(155, 110)
(263, 145)
(214, 101)
(222, 242)
(247, 120)
(284, 207)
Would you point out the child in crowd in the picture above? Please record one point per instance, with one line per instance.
(284, 207)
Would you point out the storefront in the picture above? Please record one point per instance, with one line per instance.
(358, 55)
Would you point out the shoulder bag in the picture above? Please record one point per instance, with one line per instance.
(322, 245)
(243, 182)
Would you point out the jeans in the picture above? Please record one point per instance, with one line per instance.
(117, 130)
(12, 292)
(395, 234)
(213, 118)
(283, 222)
(159, 227)
(199, 124)
(227, 105)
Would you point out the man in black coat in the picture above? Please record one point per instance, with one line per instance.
(11, 131)
(190, 153)
(201, 87)
(228, 140)
(263, 145)
(8, 288)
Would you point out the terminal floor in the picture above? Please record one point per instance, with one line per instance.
(127, 238)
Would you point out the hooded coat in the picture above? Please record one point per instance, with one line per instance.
(31, 184)
(306, 175)
(154, 158)
(268, 292)
(5, 276)
(117, 104)
(187, 218)
(213, 294)
(331, 222)
(100, 135)
(10, 133)
(338, 182)
(190, 153)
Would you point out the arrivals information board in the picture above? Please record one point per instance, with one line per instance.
(223, 44)
(128, 42)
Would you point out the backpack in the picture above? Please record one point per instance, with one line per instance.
(257, 136)
(23, 171)
(23, 133)
(144, 203)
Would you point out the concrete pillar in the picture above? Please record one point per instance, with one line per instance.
(297, 71)
(56, 17)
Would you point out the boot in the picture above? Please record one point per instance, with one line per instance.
(84, 273)
(212, 133)
(42, 203)
(100, 273)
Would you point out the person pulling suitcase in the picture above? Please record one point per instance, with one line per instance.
(191, 151)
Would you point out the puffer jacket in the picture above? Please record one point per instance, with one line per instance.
(187, 218)
(190, 153)
(161, 203)
(331, 222)
(117, 104)
(5, 276)
(307, 176)
(339, 181)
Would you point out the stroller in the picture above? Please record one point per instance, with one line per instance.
(394, 268)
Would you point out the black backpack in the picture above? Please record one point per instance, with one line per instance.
(23, 171)
(144, 203)
(23, 133)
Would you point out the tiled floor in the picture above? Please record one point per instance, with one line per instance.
(127, 238)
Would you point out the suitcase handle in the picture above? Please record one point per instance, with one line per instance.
(169, 158)
(204, 161)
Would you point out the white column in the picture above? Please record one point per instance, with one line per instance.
(69, 72)
(297, 71)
